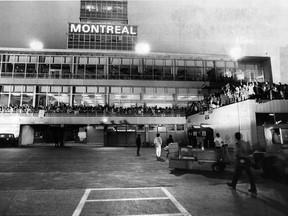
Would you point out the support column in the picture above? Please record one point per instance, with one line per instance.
(71, 96)
(105, 135)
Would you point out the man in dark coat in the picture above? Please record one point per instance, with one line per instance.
(138, 144)
(243, 151)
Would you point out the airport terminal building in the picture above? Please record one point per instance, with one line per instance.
(100, 71)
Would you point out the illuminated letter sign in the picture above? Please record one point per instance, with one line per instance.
(88, 28)
(131, 31)
(125, 30)
(75, 29)
(117, 29)
(95, 29)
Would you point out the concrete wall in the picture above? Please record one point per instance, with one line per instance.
(95, 135)
(239, 117)
(27, 135)
(77, 120)
(227, 121)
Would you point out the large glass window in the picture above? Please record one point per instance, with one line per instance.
(114, 68)
(19, 70)
(27, 98)
(4, 95)
(7, 65)
(115, 10)
(58, 95)
(159, 69)
(125, 66)
(135, 69)
(180, 70)
(102, 62)
(148, 69)
(89, 99)
(15, 99)
(124, 100)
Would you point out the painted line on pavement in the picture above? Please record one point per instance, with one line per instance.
(128, 199)
(172, 214)
(176, 203)
(80, 206)
(84, 199)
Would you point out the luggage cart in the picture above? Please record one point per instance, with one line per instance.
(192, 158)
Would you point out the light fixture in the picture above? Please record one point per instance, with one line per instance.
(236, 53)
(36, 45)
(142, 48)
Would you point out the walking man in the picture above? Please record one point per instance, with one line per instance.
(158, 143)
(218, 141)
(138, 144)
(243, 150)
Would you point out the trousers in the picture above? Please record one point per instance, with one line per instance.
(238, 172)
(158, 150)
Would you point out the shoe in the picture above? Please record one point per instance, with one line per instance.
(253, 191)
(230, 185)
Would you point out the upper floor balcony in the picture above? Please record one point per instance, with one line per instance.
(116, 65)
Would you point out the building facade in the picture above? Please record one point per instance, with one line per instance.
(124, 79)
(148, 93)
(104, 26)
(102, 88)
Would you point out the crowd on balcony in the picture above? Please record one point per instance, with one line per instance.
(233, 93)
(230, 93)
(76, 110)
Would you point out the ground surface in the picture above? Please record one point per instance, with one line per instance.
(78, 180)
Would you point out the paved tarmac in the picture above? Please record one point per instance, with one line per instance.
(88, 180)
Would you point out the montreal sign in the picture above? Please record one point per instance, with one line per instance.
(89, 28)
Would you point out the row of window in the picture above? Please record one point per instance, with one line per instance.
(103, 38)
(102, 46)
(104, 9)
(81, 71)
(98, 90)
(44, 99)
(57, 71)
(68, 59)
(103, 15)
(93, 96)
(104, 42)
(96, 67)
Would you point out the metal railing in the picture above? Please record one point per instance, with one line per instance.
(92, 114)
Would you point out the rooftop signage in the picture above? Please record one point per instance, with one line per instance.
(91, 28)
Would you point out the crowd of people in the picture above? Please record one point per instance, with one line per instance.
(230, 93)
(95, 110)
(233, 93)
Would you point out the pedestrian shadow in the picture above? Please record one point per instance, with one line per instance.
(269, 202)
(225, 174)
(161, 160)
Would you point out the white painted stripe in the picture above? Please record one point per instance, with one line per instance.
(80, 206)
(183, 211)
(172, 214)
(144, 188)
(128, 199)
(176, 203)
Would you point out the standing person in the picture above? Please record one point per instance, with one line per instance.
(169, 140)
(243, 150)
(158, 143)
(218, 141)
(138, 144)
(251, 93)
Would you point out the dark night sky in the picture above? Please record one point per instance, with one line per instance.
(259, 27)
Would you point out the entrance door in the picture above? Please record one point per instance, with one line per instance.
(95, 135)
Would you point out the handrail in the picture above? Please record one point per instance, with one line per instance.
(90, 114)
